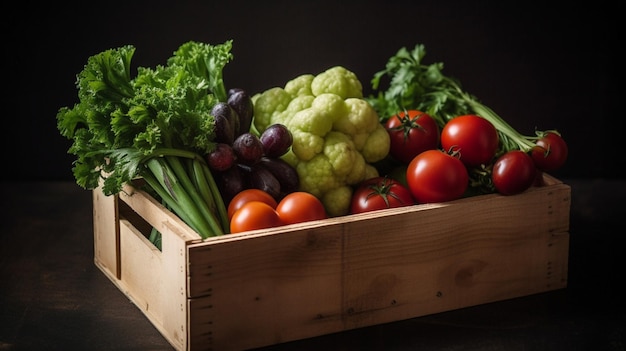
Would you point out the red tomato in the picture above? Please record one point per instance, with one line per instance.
(436, 176)
(379, 193)
(248, 195)
(411, 132)
(300, 206)
(513, 172)
(550, 152)
(254, 215)
(474, 137)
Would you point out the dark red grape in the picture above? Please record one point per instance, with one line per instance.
(277, 140)
(222, 158)
(248, 148)
(241, 102)
(230, 182)
(224, 114)
(286, 175)
(259, 177)
(223, 130)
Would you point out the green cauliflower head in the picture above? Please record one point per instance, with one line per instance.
(336, 133)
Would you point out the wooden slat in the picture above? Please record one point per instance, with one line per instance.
(156, 214)
(106, 233)
(142, 272)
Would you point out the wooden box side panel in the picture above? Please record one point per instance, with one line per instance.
(266, 290)
(376, 268)
(465, 254)
(155, 281)
(106, 233)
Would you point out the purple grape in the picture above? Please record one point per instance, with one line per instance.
(230, 182)
(222, 158)
(241, 102)
(259, 177)
(248, 148)
(226, 122)
(286, 175)
(276, 140)
(223, 130)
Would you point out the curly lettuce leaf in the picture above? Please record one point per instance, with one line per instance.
(121, 121)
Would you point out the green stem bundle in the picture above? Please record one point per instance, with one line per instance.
(198, 201)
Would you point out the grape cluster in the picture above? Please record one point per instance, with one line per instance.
(243, 160)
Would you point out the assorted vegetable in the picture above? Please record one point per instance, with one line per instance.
(156, 126)
(379, 193)
(253, 209)
(473, 137)
(300, 206)
(436, 176)
(411, 132)
(513, 172)
(414, 85)
(550, 151)
(253, 161)
(313, 149)
(254, 215)
(247, 195)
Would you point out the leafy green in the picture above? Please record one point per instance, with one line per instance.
(414, 85)
(155, 126)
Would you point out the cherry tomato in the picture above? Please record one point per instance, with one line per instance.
(247, 195)
(474, 137)
(379, 193)
(254, 215)
(513, 172)
(411, 132)
(436, 176)
(550, 152)
(300, 206)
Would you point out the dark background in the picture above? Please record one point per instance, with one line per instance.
(538, 66)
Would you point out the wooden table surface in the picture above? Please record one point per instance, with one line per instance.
(52, 296)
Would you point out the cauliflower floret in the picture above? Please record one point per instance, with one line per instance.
(359, 171)
(311, 120)
(266, 105)
(299, 103)
(330, 105)
(337, 80)
(340, 152)
(362, 115)
(377, 145)
(317, 176)
(300, 85)
(337, 200)
(306, 145)
(359, 122)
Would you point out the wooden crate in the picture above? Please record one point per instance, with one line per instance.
(254, 289)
